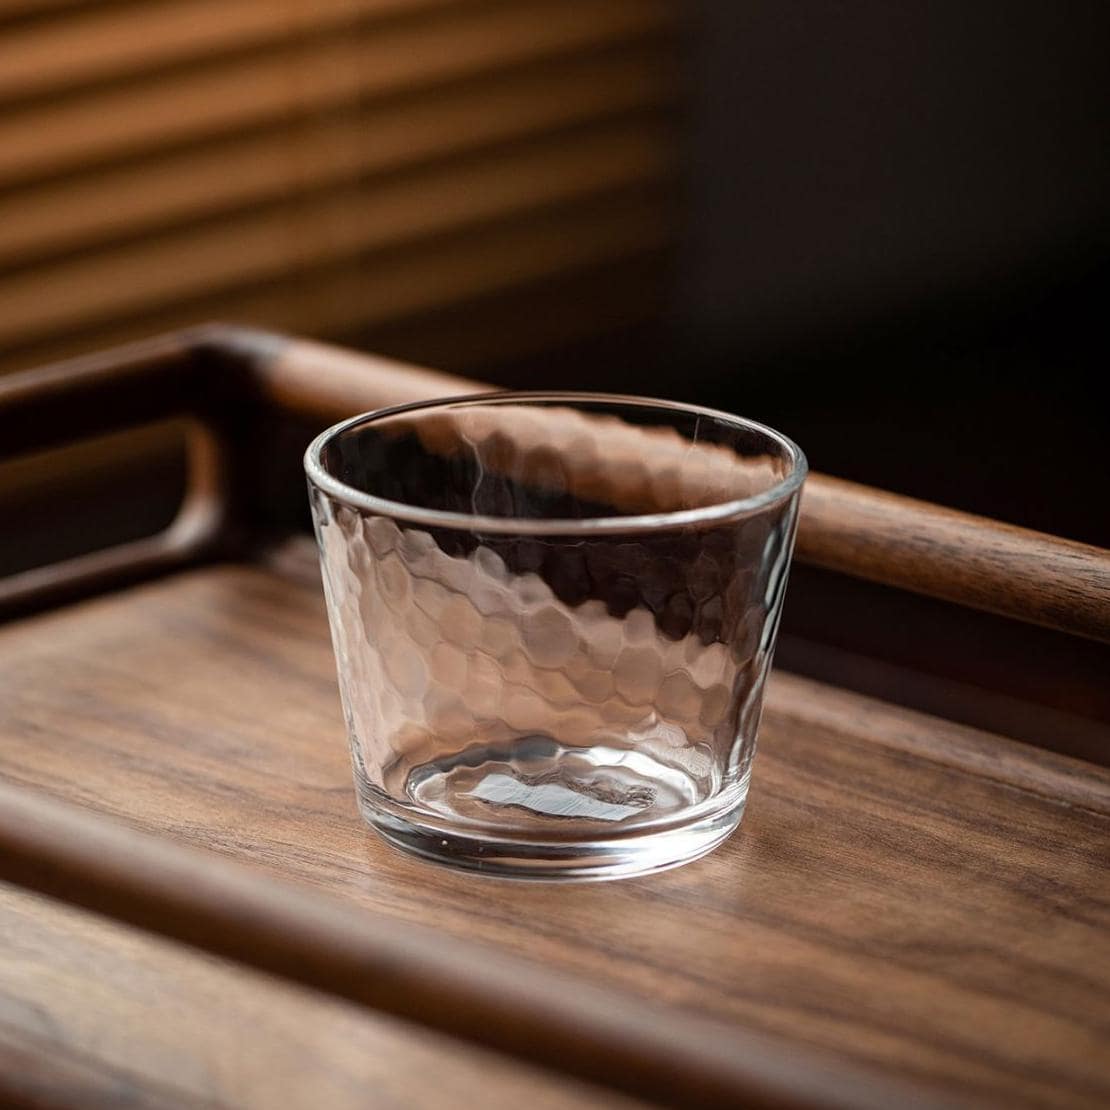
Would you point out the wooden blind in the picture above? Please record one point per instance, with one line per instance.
(324, 166)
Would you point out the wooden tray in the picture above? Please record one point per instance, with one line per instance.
(914, 912)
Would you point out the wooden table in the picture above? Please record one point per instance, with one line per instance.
(913, 912)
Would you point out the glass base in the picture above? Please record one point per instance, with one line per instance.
(543, 844)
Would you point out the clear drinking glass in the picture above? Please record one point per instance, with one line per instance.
(553, 616)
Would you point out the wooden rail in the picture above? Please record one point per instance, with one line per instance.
(846, 527)
(512, 1006)
(849, 528)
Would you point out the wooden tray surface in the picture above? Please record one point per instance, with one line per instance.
(92, 1014)
(910, 894)
(913, 911)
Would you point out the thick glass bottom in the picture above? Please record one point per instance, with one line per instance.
(535, 809)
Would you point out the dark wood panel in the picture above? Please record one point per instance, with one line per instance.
(64, 498)
(908, 894)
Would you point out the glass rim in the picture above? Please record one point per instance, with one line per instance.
(348, 495)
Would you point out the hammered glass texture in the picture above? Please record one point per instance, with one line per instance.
(572, 689)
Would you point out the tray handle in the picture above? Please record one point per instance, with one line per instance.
(845, 527)
(220, 375)
(181, 376)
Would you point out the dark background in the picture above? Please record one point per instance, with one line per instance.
(881, 226)
(894, 245)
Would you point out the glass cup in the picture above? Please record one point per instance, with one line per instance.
(553, 616)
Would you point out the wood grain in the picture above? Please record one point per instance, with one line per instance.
(845, 527)
(147, 384)
(963, 558)
(852, 529)
(96, 1015)
(1071, 782)
(195, 531)
(485, 996)
(915, 897)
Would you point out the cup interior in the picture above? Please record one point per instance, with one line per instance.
(544, 457)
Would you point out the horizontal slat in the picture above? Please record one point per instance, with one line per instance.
(85, 1017)
(195, 183)
(482, 994)
(360, 293)
(219, 99)
(96, 43)
(268, 243)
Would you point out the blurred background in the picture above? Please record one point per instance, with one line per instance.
(883, 228)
